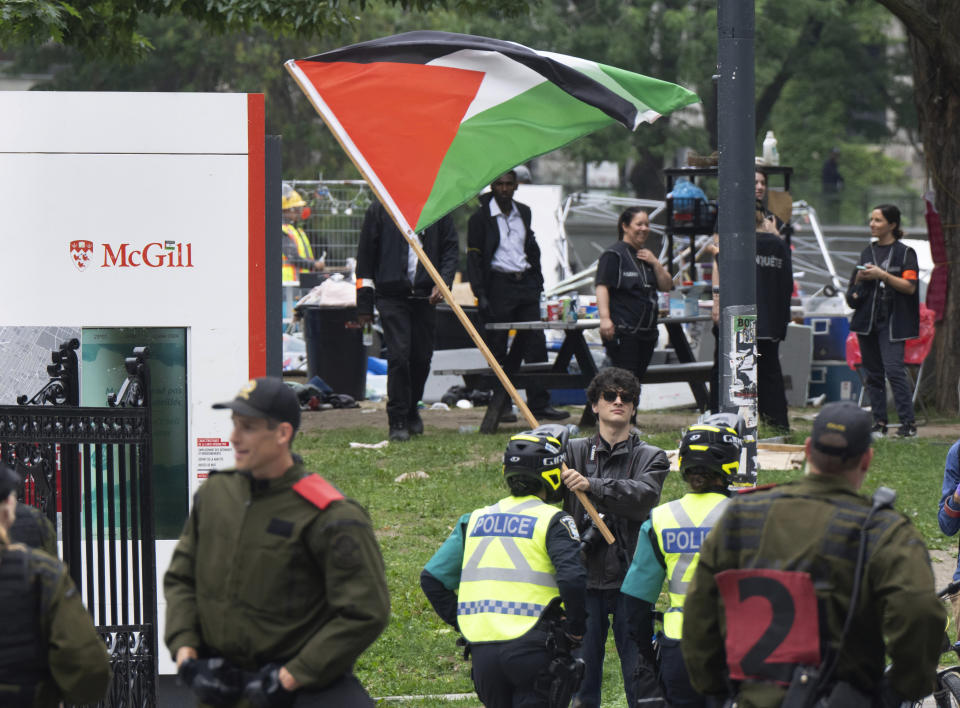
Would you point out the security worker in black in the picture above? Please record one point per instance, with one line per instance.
(388, 272)
(811, 579)
(49, 648)
(500, 577)
(503, 266)
(774, 291)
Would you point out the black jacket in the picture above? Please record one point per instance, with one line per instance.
(483, 239)
(774, 286)
(382, 257)
(904, 319)
(625, 485)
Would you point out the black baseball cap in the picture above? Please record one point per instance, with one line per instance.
(267, 397)
(9, 482)
(842, 430)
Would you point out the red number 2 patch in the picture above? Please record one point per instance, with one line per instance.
(772, 623)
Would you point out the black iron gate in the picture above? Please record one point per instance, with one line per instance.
(96, 465)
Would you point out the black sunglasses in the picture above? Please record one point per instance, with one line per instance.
(611, 396)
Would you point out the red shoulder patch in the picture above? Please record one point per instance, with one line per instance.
(318, 491)
(758, 488)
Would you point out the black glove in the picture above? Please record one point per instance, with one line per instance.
(213, 681)
(483, 307)
(264, 690)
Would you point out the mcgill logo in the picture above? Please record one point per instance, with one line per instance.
(169, 254)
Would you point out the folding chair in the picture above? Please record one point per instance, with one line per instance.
(914, 355)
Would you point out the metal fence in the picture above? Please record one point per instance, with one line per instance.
(96, 465)
(336, 215)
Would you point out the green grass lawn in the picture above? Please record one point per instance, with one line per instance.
(416, 655)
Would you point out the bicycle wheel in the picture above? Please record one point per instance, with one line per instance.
(951, 681)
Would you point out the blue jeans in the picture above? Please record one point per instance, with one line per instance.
(883, 358)
(600, 605)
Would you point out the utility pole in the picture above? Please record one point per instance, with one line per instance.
(738, 245)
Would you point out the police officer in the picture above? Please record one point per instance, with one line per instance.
(502, 574)
(49, 648)
(810, 577)
(669, 547)
(276, 584)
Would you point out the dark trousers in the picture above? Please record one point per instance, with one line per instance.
(674, 676)
(715, 371)
(600, 605)
(409, 326)
(345, 692)
(883, 358)
(771, 396)
(513, 300)
(506, 674)
(632, 352)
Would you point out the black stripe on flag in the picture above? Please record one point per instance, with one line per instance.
(423, 46)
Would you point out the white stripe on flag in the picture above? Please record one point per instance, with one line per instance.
(503, 80)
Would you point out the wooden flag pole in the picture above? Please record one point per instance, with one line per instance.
(368, 174)
(494, 364)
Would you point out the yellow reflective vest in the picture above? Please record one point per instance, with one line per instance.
(507, 579)
(299, 237)
(680, 527)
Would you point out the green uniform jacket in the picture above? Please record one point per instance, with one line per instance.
(262, 575)
(813, 525)
(77, 660)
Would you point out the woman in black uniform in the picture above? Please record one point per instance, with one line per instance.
(883, 293)
(628, 279)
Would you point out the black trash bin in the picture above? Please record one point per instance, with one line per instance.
(335, 350)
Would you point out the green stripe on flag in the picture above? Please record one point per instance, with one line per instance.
(537, 121)
(660, 96)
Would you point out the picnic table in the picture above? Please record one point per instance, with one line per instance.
(560, 375)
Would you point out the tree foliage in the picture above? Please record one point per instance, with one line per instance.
(111, 28)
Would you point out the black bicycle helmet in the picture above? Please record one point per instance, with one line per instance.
(715, 447)
(535, 457)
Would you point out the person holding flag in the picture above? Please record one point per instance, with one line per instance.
(388, 273)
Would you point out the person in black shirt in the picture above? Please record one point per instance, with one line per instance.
(388, 272)
(628, 279)
(774, 289)
(883, 294)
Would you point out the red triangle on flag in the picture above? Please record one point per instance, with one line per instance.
(378, 101)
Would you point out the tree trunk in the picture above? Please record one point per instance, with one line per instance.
(938, 109)
(935, 48)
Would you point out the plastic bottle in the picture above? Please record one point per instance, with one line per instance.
(771, 156)
(543, 307)
(574, 306)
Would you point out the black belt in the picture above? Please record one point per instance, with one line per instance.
(517, 275)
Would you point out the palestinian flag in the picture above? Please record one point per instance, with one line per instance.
(431, 118)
